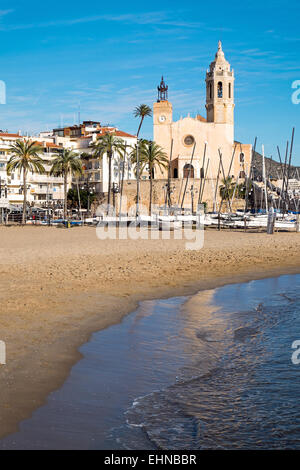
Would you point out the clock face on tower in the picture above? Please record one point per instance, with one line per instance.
(162, 118)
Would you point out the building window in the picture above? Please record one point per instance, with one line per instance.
(242, 175)
(210, 91)
(175, 173)
(189, 140)
(242, 157)
(188, 171)
(220, 90)
(229, 90)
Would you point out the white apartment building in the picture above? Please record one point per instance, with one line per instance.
(82, 138)
(41, 189)
(45, 190)
(96, 171)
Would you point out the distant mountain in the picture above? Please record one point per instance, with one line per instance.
(273, 168)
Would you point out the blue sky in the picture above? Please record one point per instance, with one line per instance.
(108, 57)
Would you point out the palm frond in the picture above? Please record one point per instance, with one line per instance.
(25, 157)
(142, 111)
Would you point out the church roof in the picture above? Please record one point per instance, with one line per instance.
(200, 118)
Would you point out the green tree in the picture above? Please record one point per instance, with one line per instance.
(85, 157)
(25, 158)
(227, 188)
(66, 163)
(151, 155)
(141, 112)
(241, 191)
(86, 198)
(108, 144)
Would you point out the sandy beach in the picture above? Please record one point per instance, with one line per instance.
(58, 286)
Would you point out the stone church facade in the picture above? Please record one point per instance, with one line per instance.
(197, 136)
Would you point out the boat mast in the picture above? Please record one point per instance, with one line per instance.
(264, 176)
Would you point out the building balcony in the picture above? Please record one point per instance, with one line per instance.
(15, 198)
(4, 203)
(45, 179)
(95, 179)
(41, 191)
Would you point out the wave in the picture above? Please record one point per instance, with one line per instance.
(239, 400)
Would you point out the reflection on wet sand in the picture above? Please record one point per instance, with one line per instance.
(204, 372)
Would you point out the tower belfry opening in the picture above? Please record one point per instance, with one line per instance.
(162, 91)
(219, 90)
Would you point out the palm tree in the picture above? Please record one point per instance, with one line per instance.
(122, 165)
(151, 155)
(108, 144)
(85, 156)
(227, 188)
(66, 163)
(135, 153)
(141, 112)
(25, 157)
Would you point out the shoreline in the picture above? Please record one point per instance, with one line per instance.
(47, 348)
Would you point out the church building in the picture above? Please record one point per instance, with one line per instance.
(187, 141)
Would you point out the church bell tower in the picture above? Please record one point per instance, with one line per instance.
(163, 118)
(220, 90)
(162, 109)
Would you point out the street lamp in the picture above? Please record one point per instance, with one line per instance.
(115, 190)
(193, 192)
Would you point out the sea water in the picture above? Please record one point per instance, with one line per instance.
(210, 371)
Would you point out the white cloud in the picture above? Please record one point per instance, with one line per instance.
(5, 12)
(149, 18)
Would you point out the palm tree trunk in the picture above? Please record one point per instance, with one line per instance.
(25, 196)
(150, 197)
(65, 196)
(138, 132)
(109, 176)
(138, 170)
(137, 180)
(122, 183)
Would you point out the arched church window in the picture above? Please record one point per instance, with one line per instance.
(188, 171)
(220, 90)
(242, 157)
(229, 90)
(175, 173)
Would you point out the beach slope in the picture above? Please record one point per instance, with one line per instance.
(59, 285)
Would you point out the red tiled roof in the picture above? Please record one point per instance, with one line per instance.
(5, 134)
(105, 130)
(124, 134)
(52, 145)
(48, 144)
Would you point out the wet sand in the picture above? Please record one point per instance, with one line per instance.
(58, 286)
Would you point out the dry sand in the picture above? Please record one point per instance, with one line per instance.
(58, 286)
